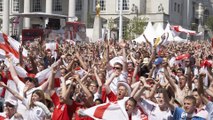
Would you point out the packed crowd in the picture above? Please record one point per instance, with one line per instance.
(110, 80)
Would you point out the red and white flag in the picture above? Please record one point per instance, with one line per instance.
(178, 28)
(51, 46)
(111, 111)
(10, 46)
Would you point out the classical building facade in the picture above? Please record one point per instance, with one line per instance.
(18, 14)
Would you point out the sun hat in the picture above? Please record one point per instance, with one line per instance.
(126, 86)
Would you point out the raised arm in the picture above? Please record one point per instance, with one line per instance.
(135, 72)
(153, 89)
(152, 58)
(54, 68)
(170, 80)
(32, 60)
(132, 58)
(147, 41)
(13, 92)
(189, 77)
(151, 71)
(201, 90)
(124, 54)
(210, 77)
(13, 72)
(81, 61)
(20, 56)
(51, 80)
(140, 91)
(98, 80)
(108, 81)
(86, 91)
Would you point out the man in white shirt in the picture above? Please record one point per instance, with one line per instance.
(160, 110)
(10, 111)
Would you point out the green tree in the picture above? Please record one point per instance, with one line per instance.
(209, 23)
(134, 28)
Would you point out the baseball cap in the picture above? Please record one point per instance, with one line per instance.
(126, 86)
(158, 61)
(12, 102)
(118, 59)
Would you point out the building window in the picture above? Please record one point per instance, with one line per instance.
(1, 6)
(178, 8)
(125, 4)
(36, 5)
(175, 6)
(102, 4)
(57, 5)
(78, 6)
(15, 5)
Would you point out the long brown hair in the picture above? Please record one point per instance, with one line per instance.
(40, 93)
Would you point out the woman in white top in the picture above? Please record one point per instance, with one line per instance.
(36, 109)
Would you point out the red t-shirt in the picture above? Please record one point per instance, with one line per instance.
(112, 97)
(130, 73)
(62, 111)
(2, 118)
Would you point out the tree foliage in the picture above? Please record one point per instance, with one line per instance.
(134, 28)
(209, 22)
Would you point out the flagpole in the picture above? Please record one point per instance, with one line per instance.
(188, 17)
(121, 21)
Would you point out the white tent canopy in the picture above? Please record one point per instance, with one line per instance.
(167, 29)
(152, 33)
(149, 33)
(159, 30)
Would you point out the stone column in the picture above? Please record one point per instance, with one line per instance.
(200, 16)
(71, 7)
(48, 10)
(26, 10)
(6, 21)
(85, 11)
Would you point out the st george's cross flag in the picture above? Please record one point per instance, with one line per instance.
(111, 111)
(8, 45)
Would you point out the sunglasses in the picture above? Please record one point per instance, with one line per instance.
(30, 80)
(116, 68)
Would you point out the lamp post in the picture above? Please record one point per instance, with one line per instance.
(135, 10)
(200, 18)
(121, 21)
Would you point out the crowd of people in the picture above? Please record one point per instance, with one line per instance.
(86, 81)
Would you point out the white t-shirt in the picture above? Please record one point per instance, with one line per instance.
(35, 113)
(153, 111)
(21, 108)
